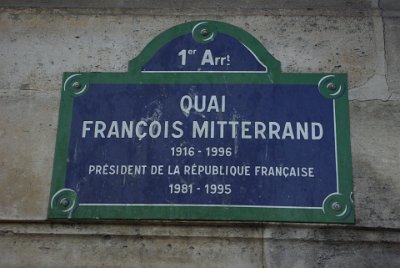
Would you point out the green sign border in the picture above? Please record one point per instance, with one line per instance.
(337, 208)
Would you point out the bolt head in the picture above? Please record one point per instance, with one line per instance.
(76, 85)
(331, 86)
(204, 32)
(336, 206)
(64, 202)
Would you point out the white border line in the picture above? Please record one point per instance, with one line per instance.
(240, 206)
(336, 155)
(193, 205)
(237, 72)
(254, 55)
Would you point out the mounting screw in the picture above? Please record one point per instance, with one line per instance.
(204, 32)
(64, 202)
(76, 85)
(331, 86)
(336, 206)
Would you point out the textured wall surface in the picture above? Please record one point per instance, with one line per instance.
(39, 40)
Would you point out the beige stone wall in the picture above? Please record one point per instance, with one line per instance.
(39, 40)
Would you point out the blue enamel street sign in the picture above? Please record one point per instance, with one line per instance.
(203, 126)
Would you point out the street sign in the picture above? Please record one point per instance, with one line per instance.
(203, 126)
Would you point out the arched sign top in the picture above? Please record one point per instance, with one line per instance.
(205, 47)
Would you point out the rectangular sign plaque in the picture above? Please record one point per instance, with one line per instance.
(203, 126)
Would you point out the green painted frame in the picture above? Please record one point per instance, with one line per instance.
(337, 208)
